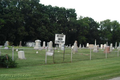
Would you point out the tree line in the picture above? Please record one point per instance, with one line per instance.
(28, 20)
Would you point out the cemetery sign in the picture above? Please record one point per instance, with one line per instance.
(59, 39)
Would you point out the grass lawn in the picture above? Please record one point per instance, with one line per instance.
(81, 68)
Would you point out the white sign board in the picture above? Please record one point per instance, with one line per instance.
(59, 39)
(49, 53)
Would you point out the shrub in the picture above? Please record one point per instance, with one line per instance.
(6, 61)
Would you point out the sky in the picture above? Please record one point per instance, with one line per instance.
(99, 10)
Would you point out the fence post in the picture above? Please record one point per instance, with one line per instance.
(71, 55)
(90, 53)
(106, 54)
(53, 56)
(45, 58)
(12, 53)
(64, 53)
(118, 53)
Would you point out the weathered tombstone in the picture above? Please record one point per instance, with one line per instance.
(37, 45)
(50, 49)
(83, 46)
(107, 49)
(6, 45)
(43, 44)
(87, 45)
(47, 44)
(104, 46)
(75, 47)
(20, 45)
(21, 55)
(95, 47)
(80, 46)
(101, 46)
(106, 43)
(30, 44)
(116, 45)
(111, 47)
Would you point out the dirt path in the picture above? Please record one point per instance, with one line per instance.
(117, 78)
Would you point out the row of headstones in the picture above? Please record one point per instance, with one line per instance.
(107, 49)
(50, 50)
(6, 44)
(32, 44)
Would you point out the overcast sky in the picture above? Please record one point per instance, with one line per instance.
(99, 10)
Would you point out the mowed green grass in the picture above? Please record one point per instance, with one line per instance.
(81, 67)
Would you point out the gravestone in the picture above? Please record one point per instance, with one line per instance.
(105, 46)
(30, 44)
(37, 44)
(43, 44)
(80, 46)
(106, 43)
(50, 49)
(107, 49)
(95, 47)
(116, 45)
(20, 44)
(87, 45)
(6, 45)
(21, 55)
(83, 46)
(111, 47)
(101, 46)
(47, 44)
(75, 47)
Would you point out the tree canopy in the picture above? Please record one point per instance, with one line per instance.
(28, 20)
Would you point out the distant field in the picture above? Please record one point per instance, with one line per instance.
(33, 67)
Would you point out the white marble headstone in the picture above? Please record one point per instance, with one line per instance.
(37, 45)
(87, 45)
(80, 46)
(43, 44)
(6, 45)
(50, 47)
(111, 47)
(20, 44)
(116, 45)
(21, 55)
(75, 47)
(95, 47)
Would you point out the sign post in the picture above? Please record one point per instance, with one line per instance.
(60, 39)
